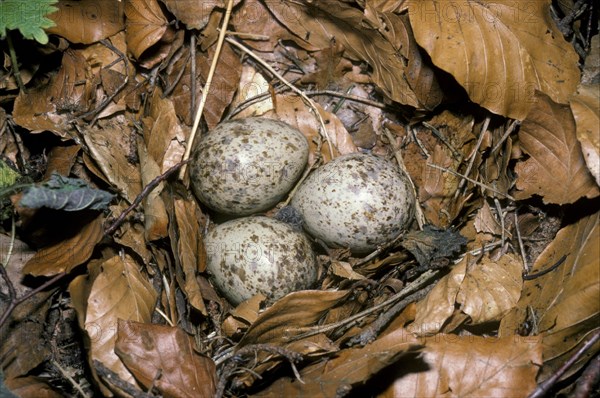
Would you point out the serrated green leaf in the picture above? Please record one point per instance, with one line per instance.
(68, 194)
(28, 16)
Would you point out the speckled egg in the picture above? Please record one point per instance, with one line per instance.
(258, 254)
(356, 201)
(245, 166)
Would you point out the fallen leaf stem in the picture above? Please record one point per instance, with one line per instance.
(145, 192)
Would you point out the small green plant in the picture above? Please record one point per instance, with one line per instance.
(29, 17)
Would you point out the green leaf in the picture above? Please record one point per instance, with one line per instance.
(29, 16)
(8, 176)
(69, 194)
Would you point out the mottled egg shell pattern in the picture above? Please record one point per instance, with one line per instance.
(258, 254)
(356, 201)
(245, 166)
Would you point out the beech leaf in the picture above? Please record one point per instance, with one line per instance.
(500, 52)
(556, 169)
(68, 194)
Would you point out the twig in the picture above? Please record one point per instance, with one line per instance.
(372, 331)
(96, 111)
(501, 217)
(295, 89)
(588, 379)
(441, 137)
(544, 387)
(253, 349)
(206, 90)
(418, 211)
(521, 246)
(435, 166)
(145, 192)
(14, 303)
(529, 277)
(66, 375)
(484, 128)
(508, 132)
(354, 98)
(114, 379)
(409, 289)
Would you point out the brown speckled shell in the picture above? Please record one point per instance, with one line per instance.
(245, 166)
(258, 254)
(356, 201)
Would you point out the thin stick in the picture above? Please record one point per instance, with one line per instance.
(145, 192)
(206, 90)
(508, 132)
(66, 375)
(544, 387)
(484, 128)
(501, 216)
(521, 246)
(409, 289)
(418, 211)
(14, 303)
(435, 166)
(310, 102)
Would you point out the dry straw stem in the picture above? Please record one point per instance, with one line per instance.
(205, 91)
(295, 89)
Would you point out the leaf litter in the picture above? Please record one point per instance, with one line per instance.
(492, 108)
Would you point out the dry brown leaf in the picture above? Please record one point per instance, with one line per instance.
(418, 71)
(292, 110)
(254, 16)
(69, 253)
(351, 367)
(470, 366)
(556, 169)
(155, 214)
(320, 22)
(146, 25)
(438, 188)
(223, 87)
(500, 51)
(486, 222)
(110, 146)
(280, 322)
(34, 111)
(564, 301)
(243, 315)
(491, 289)
(114, 289)
(24, 345)
(252, 84)
(87, 21)
(585, 105)
(131, 233)
(329, 69)
(190, 250)
(163, 133)
(151, 350)
(60, 160)
(31, 387)
(439, 303)
(195, 14)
